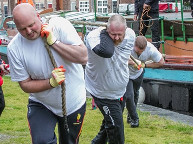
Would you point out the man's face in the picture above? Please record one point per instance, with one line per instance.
(138, 50)
(117, 33)
(29, 27)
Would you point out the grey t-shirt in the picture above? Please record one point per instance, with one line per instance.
(107, 78)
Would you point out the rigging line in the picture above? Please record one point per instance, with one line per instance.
(178, 47)
(142, 24)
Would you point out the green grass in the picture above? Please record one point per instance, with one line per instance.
(152, 130)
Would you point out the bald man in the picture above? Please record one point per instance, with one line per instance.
(107, 75)
(31, 66)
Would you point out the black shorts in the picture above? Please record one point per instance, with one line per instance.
(42, 123)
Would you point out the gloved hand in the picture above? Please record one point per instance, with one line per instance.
(143, 65)
(58, 76)
(4, 68)
(47, 31)
(139, 64)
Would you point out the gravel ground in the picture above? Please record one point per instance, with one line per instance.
(174, 116)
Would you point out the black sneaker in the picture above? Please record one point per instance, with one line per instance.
(129, 120)
(134, 123)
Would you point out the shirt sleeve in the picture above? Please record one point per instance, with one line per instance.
(17, 70)
(93, 39)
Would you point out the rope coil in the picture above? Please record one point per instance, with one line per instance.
(142, 24)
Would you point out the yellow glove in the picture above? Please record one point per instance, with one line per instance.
(139, 64)
(143, 65)
(58, 76)
(47, 31)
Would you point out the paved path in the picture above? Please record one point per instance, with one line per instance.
(174, 116)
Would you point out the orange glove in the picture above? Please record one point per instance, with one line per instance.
(47, 31)
(58, 76)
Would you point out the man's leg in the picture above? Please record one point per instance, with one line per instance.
(130, 104)
(136, 86)
(112, 112)
(101, 137)
(75, 123)
(155, 30)
(42, 124)
(2, 101)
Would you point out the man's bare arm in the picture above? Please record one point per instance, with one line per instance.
(34, 86)
(72, 53)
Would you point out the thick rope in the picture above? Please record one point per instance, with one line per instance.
(63, 87)
(142, 24)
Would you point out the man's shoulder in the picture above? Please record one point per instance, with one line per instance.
(59, 21)
(130, 34)
(151, 47)
(151, 50)
(130, 31)
(14, 41)
(93, 33)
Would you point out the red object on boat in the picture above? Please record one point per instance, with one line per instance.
(176, 9)
(0, 42)
(164, 6)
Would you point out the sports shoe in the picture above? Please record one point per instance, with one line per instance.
(134, 123)
(129, 120)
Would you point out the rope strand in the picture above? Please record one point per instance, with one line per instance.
(63, 87)
(142, 24)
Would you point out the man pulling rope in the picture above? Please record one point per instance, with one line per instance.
(30, 65)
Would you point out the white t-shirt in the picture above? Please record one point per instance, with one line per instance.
(107, 78)
(150, 53)
(29, 58)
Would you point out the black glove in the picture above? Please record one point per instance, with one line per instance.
(106, 47)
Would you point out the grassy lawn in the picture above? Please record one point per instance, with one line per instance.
(152, 130)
